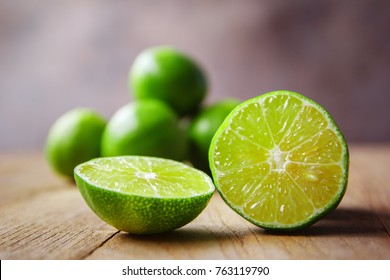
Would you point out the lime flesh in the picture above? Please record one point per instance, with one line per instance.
(143, 195)
(280, 161)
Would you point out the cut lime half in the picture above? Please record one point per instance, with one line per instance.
(143, 195)
(280, 161)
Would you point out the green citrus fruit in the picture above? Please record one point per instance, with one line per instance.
(143, 195)
(280, 161)
(166, 74)
(147, 128)
(74, 138)
(203, 128)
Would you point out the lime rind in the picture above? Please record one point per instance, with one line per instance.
(343, 162)
(143, 214)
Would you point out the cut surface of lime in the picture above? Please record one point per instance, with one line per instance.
(143, 195)
(280, 161)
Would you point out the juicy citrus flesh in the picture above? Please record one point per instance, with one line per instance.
(280, 161)
(143, 195)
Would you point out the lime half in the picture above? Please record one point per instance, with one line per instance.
(143, 195)
(280, 161)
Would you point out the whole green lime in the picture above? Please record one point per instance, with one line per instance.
(169, 75)
(203, 128)
(145, 128)
(74, 138)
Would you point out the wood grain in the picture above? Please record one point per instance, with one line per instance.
(44, 217)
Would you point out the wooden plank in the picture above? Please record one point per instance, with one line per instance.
(44, 217)
(219, 233)
(51, 225)
(23, 175)
(370, 176)
(354, 231)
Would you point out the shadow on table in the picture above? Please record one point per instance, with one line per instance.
(184, 235)
(345, 222)
(340, 222)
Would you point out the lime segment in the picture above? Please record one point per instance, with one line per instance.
(280, 161)
(143, 195)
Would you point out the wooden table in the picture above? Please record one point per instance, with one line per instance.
(44, 217)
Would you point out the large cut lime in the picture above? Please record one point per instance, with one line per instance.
(143, 195)
(280, 161)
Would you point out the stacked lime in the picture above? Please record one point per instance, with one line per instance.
(73, 139)
(146, 127)
(169, 75)
(166, 86)
(203, 127)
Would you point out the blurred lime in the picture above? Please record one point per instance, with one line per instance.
(166, 74)
(143, 195)
(147, 128)
(203, 128)
(74, 138)
(280, 161)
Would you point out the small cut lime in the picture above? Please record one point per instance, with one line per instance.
(143, 195)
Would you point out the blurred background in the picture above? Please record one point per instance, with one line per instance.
(56, 55)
